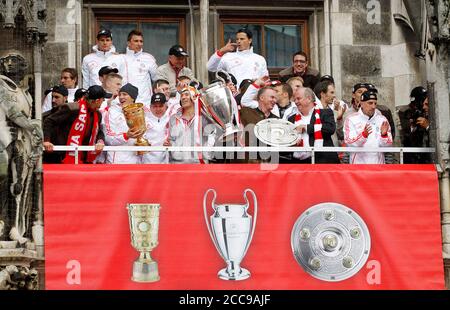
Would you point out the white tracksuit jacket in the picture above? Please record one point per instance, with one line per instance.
(92, 63)
(242, 64)
(353, 129)
(138, 69)
(157, 132)
(115, 135)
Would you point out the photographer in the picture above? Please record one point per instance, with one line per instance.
(415, 125)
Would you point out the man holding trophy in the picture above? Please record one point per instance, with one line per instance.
(186, 128)
(118, 131)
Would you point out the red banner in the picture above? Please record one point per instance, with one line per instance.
(87, 234)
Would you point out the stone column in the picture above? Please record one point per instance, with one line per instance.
(438, 71)
(22, 264)
(202, 54)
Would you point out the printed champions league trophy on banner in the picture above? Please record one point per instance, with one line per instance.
(135, 116)
(144, 224)
(231, 229)
(217, 105)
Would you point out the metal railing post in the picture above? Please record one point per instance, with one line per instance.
(76, 155)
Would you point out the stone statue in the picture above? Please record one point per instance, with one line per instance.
(18, 278)
(20, 149)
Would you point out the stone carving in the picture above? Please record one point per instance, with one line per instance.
(20, 149)
(34, 13)
(439, 19)
(18, 278)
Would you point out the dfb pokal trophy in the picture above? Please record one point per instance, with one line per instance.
(144, 224)
(231, 229)
(135, 117)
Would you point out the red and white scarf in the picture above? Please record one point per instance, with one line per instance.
(198, 128)
(318, 139)
(78, 132)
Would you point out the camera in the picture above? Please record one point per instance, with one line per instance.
(416, 114)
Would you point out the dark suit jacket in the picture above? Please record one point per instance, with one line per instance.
(310, 77)
(328, 129)
(57, 125)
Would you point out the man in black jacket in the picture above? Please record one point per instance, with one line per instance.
(415, 126)
(75, 124)
(300, 68)
(316, 127)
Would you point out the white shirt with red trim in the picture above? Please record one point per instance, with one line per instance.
(182, 133)
(173, 105)
(92, 63)
(116, 129)
(304, 136)
(242, 64)
(157, 132)
(138, 69)
(353, 133)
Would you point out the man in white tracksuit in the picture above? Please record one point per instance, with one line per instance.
(157, 129)
(137, 67)
(367, 128)
(242, 63)
(98, 58)
(69, 79)
(117, 132)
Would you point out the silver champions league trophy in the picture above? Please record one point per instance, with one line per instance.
(144, 224)
(217, 105)
(231, 229)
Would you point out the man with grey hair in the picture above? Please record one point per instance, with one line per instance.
(267, 99)
(316, 126)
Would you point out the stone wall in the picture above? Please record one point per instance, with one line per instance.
(64, 40)
(367, 44)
